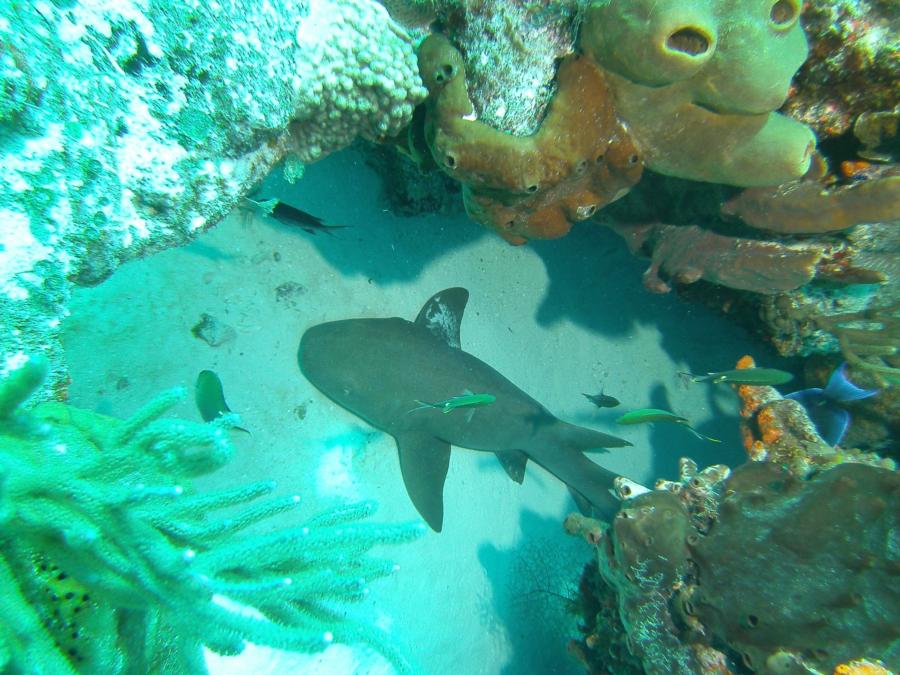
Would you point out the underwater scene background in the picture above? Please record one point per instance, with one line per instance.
(695, 332)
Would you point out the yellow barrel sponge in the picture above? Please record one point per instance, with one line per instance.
(697, 81)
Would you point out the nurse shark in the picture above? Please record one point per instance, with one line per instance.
(378, 369)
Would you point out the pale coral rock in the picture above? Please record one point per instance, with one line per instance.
(130, 127)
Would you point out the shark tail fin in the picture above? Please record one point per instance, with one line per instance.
(591, 486)
(588, 440)
(561, 452)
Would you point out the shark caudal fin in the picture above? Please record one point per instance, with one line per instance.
(587, 440)
(562, 454)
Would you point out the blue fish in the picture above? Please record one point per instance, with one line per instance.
(830, 419)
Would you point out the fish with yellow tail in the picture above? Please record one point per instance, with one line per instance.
(653, 415)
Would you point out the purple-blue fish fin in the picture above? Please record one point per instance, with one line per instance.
(831, 422)
(808, 398)
(840, 388)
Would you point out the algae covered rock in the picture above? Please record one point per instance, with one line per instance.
(809, 567)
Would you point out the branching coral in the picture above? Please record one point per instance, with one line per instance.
(869, 339)
(811, 207)
(107, 506)
(689, 253)
(534, 186)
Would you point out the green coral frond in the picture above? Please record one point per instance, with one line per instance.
(111, 505)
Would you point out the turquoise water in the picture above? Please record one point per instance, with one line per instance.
(475, 598)
(251, 416)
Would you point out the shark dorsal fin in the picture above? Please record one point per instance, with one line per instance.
(443, 313)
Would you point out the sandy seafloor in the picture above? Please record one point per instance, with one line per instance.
(557, 318)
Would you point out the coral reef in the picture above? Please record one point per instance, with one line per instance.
(785, 565)
(853, 65)
(777, 429)
(812, 207)
(132, 127)
(825, 545)
(530, 186)
(693, 602)
(696, 84)
(112, 561)
(511, 51)
(689, 253)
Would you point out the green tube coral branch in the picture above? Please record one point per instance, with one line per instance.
(101, 514)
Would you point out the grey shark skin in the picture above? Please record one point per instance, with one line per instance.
(377, 368)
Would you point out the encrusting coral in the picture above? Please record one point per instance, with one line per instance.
(697, 84)
(536, 186)
(111, 561)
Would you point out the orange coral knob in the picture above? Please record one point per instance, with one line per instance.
(746, 361)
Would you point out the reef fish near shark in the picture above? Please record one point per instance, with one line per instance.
(378, 368)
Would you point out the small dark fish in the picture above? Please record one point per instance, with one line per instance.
(652, 415)
(291, 216)
(210, 398)
(754, 376)
(829, 418)
(602, 400)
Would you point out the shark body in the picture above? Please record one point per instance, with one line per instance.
(377, 368)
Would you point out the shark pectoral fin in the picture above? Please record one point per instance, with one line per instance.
(513, 462)
(424, 461)
(582, 502)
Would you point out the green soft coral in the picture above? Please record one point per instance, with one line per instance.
(107, 505)
(697, 83)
